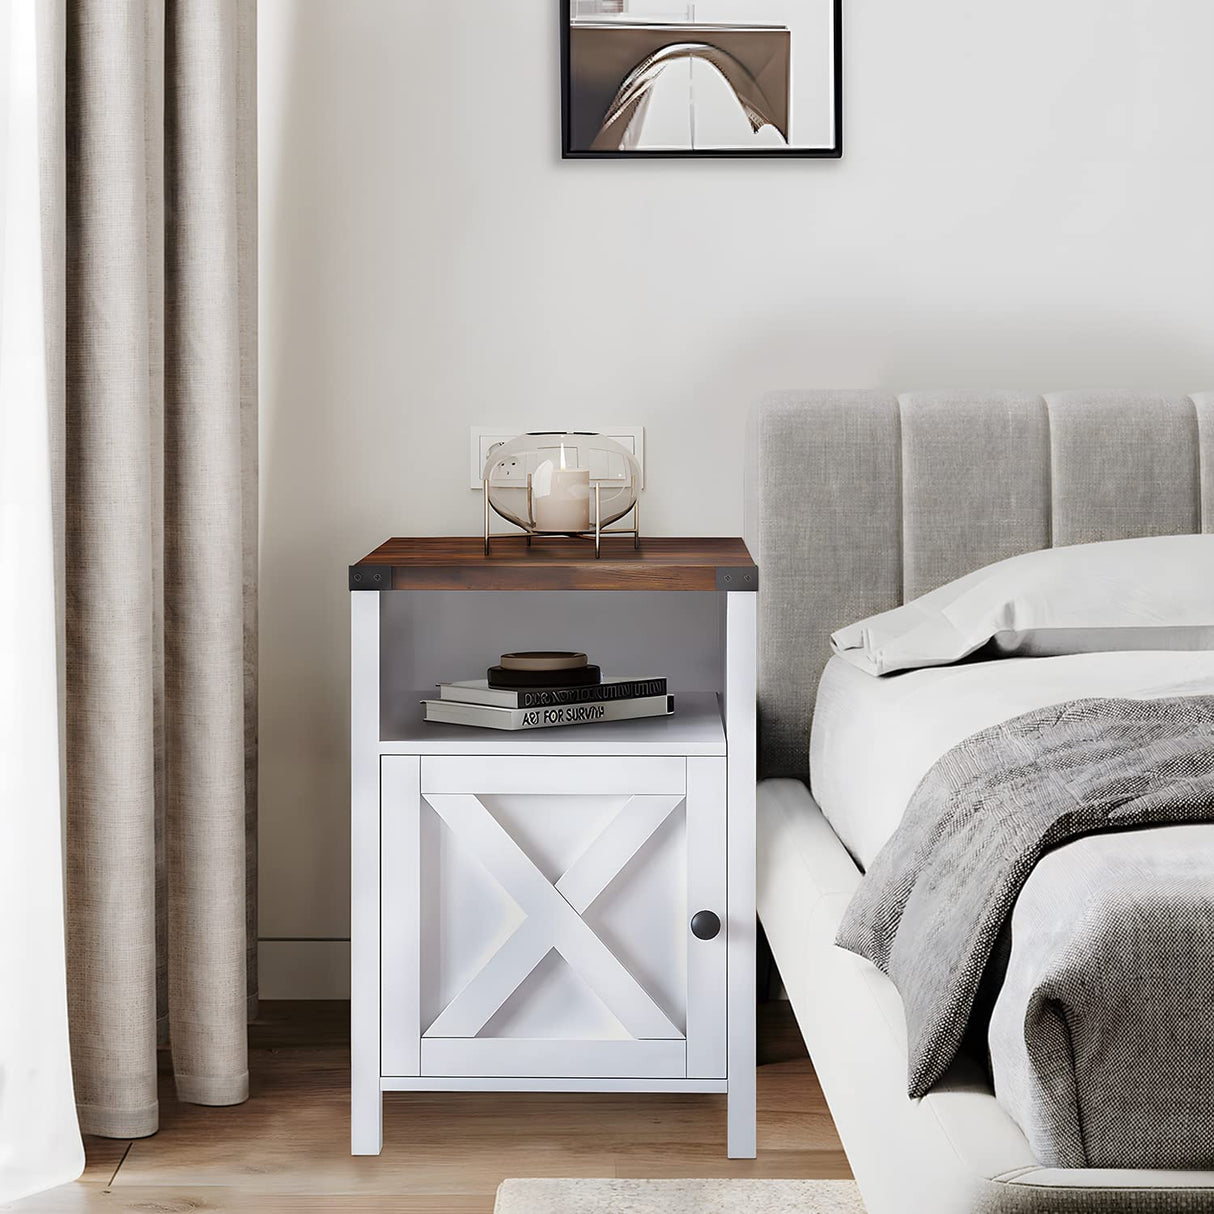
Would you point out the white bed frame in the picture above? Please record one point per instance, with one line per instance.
(856, 502)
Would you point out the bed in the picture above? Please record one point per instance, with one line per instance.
(856, 502)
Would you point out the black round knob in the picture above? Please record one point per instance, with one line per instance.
(705, 925)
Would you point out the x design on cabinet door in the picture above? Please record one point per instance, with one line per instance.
(536, 917)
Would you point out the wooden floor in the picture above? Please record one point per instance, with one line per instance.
(287, 1148)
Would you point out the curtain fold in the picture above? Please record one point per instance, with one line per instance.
(204, 551)
(160, 542)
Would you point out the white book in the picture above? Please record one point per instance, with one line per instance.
(452, 712)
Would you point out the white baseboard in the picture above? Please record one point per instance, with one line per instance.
(303, 969)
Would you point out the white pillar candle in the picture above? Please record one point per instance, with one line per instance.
(561, 497)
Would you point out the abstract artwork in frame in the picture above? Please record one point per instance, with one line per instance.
(701, 78)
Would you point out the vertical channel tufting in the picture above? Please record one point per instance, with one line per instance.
(1203, 402)
(986, 475)
(975, 482)
(824, 521)
(1124, 464)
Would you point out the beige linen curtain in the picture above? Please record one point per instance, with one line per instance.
(159, 518)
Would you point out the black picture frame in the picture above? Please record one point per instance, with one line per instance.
(833, 152)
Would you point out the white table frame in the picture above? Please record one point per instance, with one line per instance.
(368, 1078)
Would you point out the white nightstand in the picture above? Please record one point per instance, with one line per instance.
(523, 903)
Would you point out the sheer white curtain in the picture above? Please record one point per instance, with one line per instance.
(39, 1140)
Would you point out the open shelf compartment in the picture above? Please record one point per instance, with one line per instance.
(433, 636)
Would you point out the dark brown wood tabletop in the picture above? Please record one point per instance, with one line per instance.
(460, 563)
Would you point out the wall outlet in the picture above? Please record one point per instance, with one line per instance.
(508, 472)
(485, 438)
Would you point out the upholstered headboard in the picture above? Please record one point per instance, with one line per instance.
(859, 501)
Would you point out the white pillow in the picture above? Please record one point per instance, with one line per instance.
(1154, 593)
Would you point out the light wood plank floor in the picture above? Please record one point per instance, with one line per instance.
(287, 1148)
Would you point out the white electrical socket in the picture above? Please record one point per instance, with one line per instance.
(485, 438)
(508, 472)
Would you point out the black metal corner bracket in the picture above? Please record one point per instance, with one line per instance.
(744, 577)
(370, 577)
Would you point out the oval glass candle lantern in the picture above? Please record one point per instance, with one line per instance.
(562, 484)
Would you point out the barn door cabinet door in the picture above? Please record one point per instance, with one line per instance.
(537, 917)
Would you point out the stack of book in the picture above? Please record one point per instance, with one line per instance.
(477, 702)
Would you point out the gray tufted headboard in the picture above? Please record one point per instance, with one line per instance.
(859, 501)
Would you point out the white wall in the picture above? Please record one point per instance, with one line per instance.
(1024, 202)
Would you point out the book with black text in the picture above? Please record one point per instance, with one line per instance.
(451, 712)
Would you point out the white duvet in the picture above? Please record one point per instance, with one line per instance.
(874, 739)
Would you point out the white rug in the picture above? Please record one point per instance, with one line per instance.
(678, 1197)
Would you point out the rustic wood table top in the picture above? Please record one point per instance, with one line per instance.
(460, 563)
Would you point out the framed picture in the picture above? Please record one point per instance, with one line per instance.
(701, 78)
